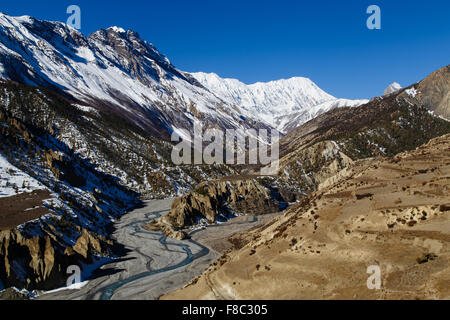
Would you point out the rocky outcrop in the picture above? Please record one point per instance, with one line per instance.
(40, 262)
(310, 166)
(218, 200)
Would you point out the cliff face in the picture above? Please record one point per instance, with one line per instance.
(41, 261)
(309, 166)
(221, 199)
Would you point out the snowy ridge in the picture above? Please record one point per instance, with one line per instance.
(286, 123)
(276, 101)
(393, 87)
(117, 29)
(117, 67)
(114, 66)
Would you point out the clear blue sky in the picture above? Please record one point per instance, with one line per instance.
(325, 40)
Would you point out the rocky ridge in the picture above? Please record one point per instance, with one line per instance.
(219, 200)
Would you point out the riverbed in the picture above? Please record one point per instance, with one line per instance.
(155, 265)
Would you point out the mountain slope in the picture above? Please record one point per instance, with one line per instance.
(289, 122)
(316, 152)
(434, 92)
(117, 71)
(61, 208)
(275, 102)
(347, 122)
(383, 127)
(111, 69)
(376, 192)
(392, 213)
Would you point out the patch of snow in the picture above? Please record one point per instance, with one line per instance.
(85, 108)
(411, 92)
(12, 179)
(431, 112)
(76, 286)
(117, 29)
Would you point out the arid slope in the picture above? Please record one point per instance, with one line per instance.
(389, 212)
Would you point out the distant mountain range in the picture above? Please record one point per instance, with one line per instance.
(85, 131)
(119, 71)
(284, 104)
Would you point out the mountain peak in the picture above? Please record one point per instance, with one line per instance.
(393, 87)
(287, 80)
(117, 29)
(24, 17)
(120, 67)
(273, 100)
(434, 92)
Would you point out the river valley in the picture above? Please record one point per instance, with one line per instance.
(155, 265)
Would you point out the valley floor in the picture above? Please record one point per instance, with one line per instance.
(155, 265)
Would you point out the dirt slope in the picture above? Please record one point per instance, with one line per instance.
(389, 212)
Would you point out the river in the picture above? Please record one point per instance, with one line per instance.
(155, 265)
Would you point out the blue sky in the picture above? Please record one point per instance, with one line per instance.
(324, 40)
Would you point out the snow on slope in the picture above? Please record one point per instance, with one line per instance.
(12, 179)
(111, 65)
(75, 68)
(286, 123)
(118, 67)
(276, 101)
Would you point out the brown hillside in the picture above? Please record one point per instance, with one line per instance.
(390, 212)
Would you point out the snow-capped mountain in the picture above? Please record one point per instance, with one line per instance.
(284, 104)
(115, 69)
(393, 87)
